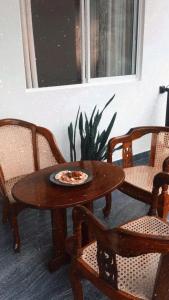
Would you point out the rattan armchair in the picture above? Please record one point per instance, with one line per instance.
(128, 262)
(139, 179)
(24, 149)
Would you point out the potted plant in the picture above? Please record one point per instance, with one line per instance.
(93, 143)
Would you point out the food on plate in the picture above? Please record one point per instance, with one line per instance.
(71, 177)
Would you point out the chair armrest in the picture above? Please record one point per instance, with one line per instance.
(127, 140)
(118, 240)
(131, 135)
(128, 243)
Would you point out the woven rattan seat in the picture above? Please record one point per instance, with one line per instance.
(9, 185)
(136, 275)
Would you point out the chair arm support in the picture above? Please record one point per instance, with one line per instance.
(127, 155)
(80, 215)
(161, 180)
(112, 144)
(166, 164)
(2, 182)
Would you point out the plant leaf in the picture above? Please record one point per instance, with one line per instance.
(81, 131)
(110, 100)
(81, 124)
(74, 137)
(91, 118)
(107, 132)
(70, 135)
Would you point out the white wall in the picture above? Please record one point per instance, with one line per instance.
(137, 103)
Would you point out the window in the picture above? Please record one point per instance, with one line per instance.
(76, 41)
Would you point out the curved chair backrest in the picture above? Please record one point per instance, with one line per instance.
(25, 148)
(159, 145)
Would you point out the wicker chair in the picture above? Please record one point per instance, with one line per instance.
(128, 262)
(24, 149)
(139, 179)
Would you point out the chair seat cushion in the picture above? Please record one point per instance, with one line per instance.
(141, 176)
(9, 185)
(136, 275)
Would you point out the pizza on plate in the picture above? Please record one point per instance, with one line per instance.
(71, 177)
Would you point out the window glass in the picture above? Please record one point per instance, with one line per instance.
(54, 30)
(113, 37)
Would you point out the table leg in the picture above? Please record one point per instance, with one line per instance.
(59, 234)
(86, 232)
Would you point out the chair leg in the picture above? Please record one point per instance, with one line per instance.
(107, 208)
(5, 213)
(15, 230)
(162, 212)
(163, 206)
(76, 285)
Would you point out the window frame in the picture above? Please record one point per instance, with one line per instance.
(83, 23)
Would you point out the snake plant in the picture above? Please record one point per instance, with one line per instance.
(93, 143)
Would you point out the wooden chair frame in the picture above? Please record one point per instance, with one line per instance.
(11, 210)
(127, 161)
(124, 243)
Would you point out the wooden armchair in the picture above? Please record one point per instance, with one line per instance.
(128, 262)
(139, 179)
(24, 149)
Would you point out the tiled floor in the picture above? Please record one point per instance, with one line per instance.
(25, 276)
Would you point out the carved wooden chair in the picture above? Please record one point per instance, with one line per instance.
(24, 149)
(128, 262)
(139, 179)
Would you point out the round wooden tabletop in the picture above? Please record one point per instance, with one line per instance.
(38, 191)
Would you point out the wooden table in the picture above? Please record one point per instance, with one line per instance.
(37, 191)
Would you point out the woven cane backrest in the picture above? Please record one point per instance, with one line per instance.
(16, 152)
(148, 225)
(162, 149)
(46, 157)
